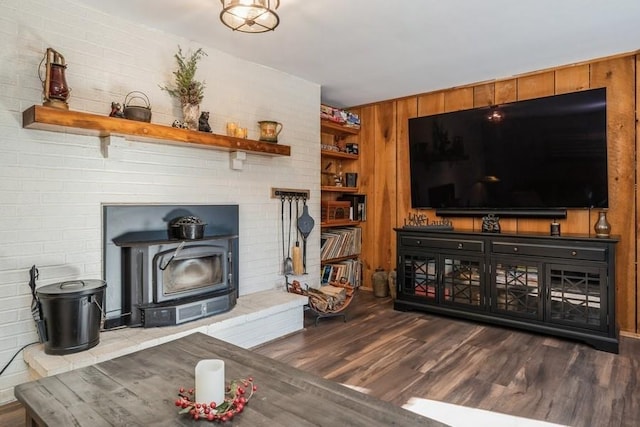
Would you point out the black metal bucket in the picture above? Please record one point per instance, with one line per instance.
(73, 314)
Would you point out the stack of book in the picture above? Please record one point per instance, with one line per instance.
(340, 242)
(350, 269)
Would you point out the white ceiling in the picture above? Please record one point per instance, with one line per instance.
(363, 51)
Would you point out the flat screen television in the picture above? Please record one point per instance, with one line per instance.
(536, 157)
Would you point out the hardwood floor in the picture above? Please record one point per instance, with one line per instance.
(396, 356)
(400, 355)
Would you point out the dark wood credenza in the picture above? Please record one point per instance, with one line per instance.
(562, 286)
(140, 389)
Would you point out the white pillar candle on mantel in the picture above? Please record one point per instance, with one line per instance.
(210, 381)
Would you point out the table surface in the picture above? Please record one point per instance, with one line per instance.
(140, 389)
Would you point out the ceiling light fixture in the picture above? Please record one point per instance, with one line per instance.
(250, 16)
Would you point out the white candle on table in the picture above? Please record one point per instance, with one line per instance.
(210, 381)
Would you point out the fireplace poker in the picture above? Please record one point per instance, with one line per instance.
(288, 262)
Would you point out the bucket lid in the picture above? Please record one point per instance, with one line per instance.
(75, 287)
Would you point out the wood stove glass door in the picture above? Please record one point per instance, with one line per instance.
(188, 272)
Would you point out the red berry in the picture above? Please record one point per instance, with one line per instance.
(179, 402)
(213, 405)
(255, 387)
(181, 390)
(250, 379)
(210, 416)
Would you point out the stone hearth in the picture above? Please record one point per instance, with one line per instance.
(256, 319)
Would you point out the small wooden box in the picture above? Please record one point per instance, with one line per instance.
(335, 211)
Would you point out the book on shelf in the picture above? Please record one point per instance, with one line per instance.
(340, 242)
(350, 269)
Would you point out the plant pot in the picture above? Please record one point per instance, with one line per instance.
(190, 115)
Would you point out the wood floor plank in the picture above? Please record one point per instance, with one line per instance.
(400, 355)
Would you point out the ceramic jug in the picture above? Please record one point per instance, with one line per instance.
(269, 130)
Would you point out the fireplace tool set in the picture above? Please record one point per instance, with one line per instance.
(295, 258)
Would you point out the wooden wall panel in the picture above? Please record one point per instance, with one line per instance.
(484, 95)
(618, 76)
(389, 113)
(366, 185)
(407, 109)
(572, 79)
(579, 221)
(458, 99)
(637, 198)
(430, 103)
(506, 91)
(536, 85)
(384, 207)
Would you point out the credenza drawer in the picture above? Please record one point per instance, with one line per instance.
(436, 243)
(568, 252)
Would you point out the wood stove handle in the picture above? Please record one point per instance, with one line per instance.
(175, 254)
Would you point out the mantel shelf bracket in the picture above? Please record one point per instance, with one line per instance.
(108, 146)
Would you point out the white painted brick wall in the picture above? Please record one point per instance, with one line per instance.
(52, 184)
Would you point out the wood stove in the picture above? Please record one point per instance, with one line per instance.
(171, 282)
(156, 278)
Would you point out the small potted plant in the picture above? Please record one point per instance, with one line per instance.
(188, 90)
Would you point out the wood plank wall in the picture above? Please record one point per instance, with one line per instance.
(384, 163)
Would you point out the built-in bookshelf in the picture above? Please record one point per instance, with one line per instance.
(343, 209)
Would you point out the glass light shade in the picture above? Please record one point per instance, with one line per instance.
(250, 16)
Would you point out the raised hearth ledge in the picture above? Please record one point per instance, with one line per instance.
(257, 318)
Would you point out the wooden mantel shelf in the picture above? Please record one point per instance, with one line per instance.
(57, 120)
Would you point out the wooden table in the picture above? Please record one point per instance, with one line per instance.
(140, 389)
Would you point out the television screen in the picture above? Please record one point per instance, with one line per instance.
(534, 155)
